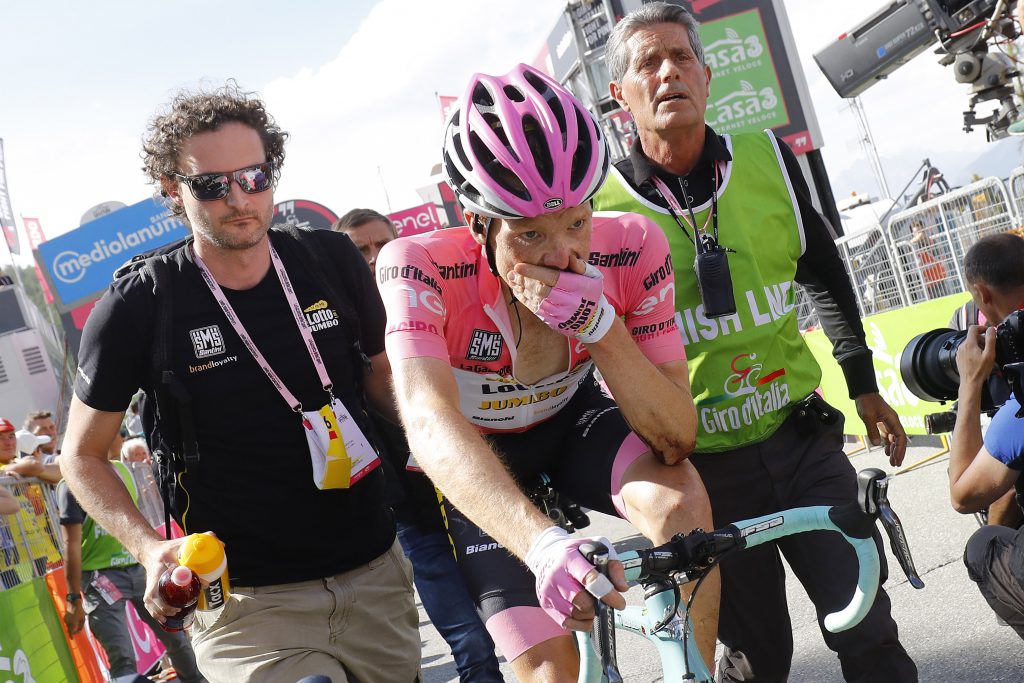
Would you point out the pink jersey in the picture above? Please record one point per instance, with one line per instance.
(443, 302)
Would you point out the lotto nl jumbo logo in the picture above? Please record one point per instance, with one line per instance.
(207, 341)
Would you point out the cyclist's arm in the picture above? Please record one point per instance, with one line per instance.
(458, 460)
(654, 399)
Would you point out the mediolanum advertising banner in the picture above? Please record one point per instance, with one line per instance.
(80, 264)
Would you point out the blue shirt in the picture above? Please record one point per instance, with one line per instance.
(1005, 436)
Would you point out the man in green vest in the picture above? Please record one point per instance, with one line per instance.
(102, 576)
(765, 440)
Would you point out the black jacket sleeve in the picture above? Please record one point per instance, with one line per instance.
(822, 274)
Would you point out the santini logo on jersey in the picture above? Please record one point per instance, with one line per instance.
(624, 258)
(484, 346)
(320, 316)
(207, 341)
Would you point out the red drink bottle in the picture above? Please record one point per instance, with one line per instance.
(180, 588)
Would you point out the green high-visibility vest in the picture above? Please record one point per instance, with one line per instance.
(100, 550)
(747, 369)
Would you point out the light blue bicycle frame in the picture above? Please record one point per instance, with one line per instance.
(641, 620)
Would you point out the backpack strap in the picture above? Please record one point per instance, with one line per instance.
(173, 438)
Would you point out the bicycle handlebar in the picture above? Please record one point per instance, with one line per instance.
(693, 553)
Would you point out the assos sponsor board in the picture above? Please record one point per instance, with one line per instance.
(81, 263)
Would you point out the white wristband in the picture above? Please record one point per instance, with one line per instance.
(599, 324)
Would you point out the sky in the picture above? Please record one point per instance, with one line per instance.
(354, 83)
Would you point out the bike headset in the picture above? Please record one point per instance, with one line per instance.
(519, 146)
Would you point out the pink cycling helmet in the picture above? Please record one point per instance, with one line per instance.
(521, 145)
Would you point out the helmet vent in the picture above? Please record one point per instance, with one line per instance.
(497, 170)
(460, 150)
(534, 134)
(482, 96)
(584, 151)
(514, 93)
(495, 124)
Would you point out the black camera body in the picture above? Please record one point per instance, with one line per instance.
(928, 368)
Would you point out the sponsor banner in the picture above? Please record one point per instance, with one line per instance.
(7, 223)
(749, 46)
(80, 264)
(887, 335)
(34, 230)
(447, 104)
(418, 219)
(303, 213)
(32, 636)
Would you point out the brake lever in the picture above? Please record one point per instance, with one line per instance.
(897, 536)
(603, 635)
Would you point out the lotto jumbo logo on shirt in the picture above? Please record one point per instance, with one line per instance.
(320, 316)
(207, 341)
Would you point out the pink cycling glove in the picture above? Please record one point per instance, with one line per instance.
(559, 566)
(576, 306)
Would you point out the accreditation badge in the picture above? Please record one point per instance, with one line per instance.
(339, 451)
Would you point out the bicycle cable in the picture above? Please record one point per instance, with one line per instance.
(689, 604)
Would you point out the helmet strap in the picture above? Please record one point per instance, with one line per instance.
(482, 225)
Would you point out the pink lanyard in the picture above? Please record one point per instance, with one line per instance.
(674, 204)
(293, 304)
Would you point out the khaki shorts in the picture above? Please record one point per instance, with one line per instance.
(357, 627)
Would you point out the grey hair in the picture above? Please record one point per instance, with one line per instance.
(616, 54)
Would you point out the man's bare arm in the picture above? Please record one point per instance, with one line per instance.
(655, 399)
(458, 460)
(95, 484)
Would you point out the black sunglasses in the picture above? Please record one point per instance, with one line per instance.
(208, 187)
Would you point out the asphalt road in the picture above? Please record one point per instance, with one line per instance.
(947, 627)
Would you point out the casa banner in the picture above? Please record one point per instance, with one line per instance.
(755, 78)
(887, 335)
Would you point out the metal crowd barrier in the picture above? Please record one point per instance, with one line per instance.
(30, 539)
(928, 241)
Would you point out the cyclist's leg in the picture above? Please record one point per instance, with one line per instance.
(754, 624)
(536, 647)
(607, 467)
(818, 472)
(995, 561)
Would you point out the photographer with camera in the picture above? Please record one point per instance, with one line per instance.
(983, 470)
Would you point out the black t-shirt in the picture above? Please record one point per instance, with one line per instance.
(254, 484)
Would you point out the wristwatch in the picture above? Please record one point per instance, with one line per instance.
(73, 597)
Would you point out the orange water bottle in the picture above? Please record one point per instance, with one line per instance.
(204, 555)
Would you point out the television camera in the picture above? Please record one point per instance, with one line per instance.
(970, 34)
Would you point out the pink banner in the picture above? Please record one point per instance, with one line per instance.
(447, 106)
(34, 230)
(418, 219)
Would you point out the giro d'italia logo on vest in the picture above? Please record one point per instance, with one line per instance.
(759, 391)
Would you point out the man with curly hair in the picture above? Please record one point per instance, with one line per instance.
(270, 362)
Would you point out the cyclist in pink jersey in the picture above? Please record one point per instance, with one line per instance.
(494, 331)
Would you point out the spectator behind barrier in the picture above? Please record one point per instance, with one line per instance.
(12, 442)
(40, 423)
(8, 503)
(983, 469)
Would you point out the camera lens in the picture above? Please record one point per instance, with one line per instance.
(928, 365)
